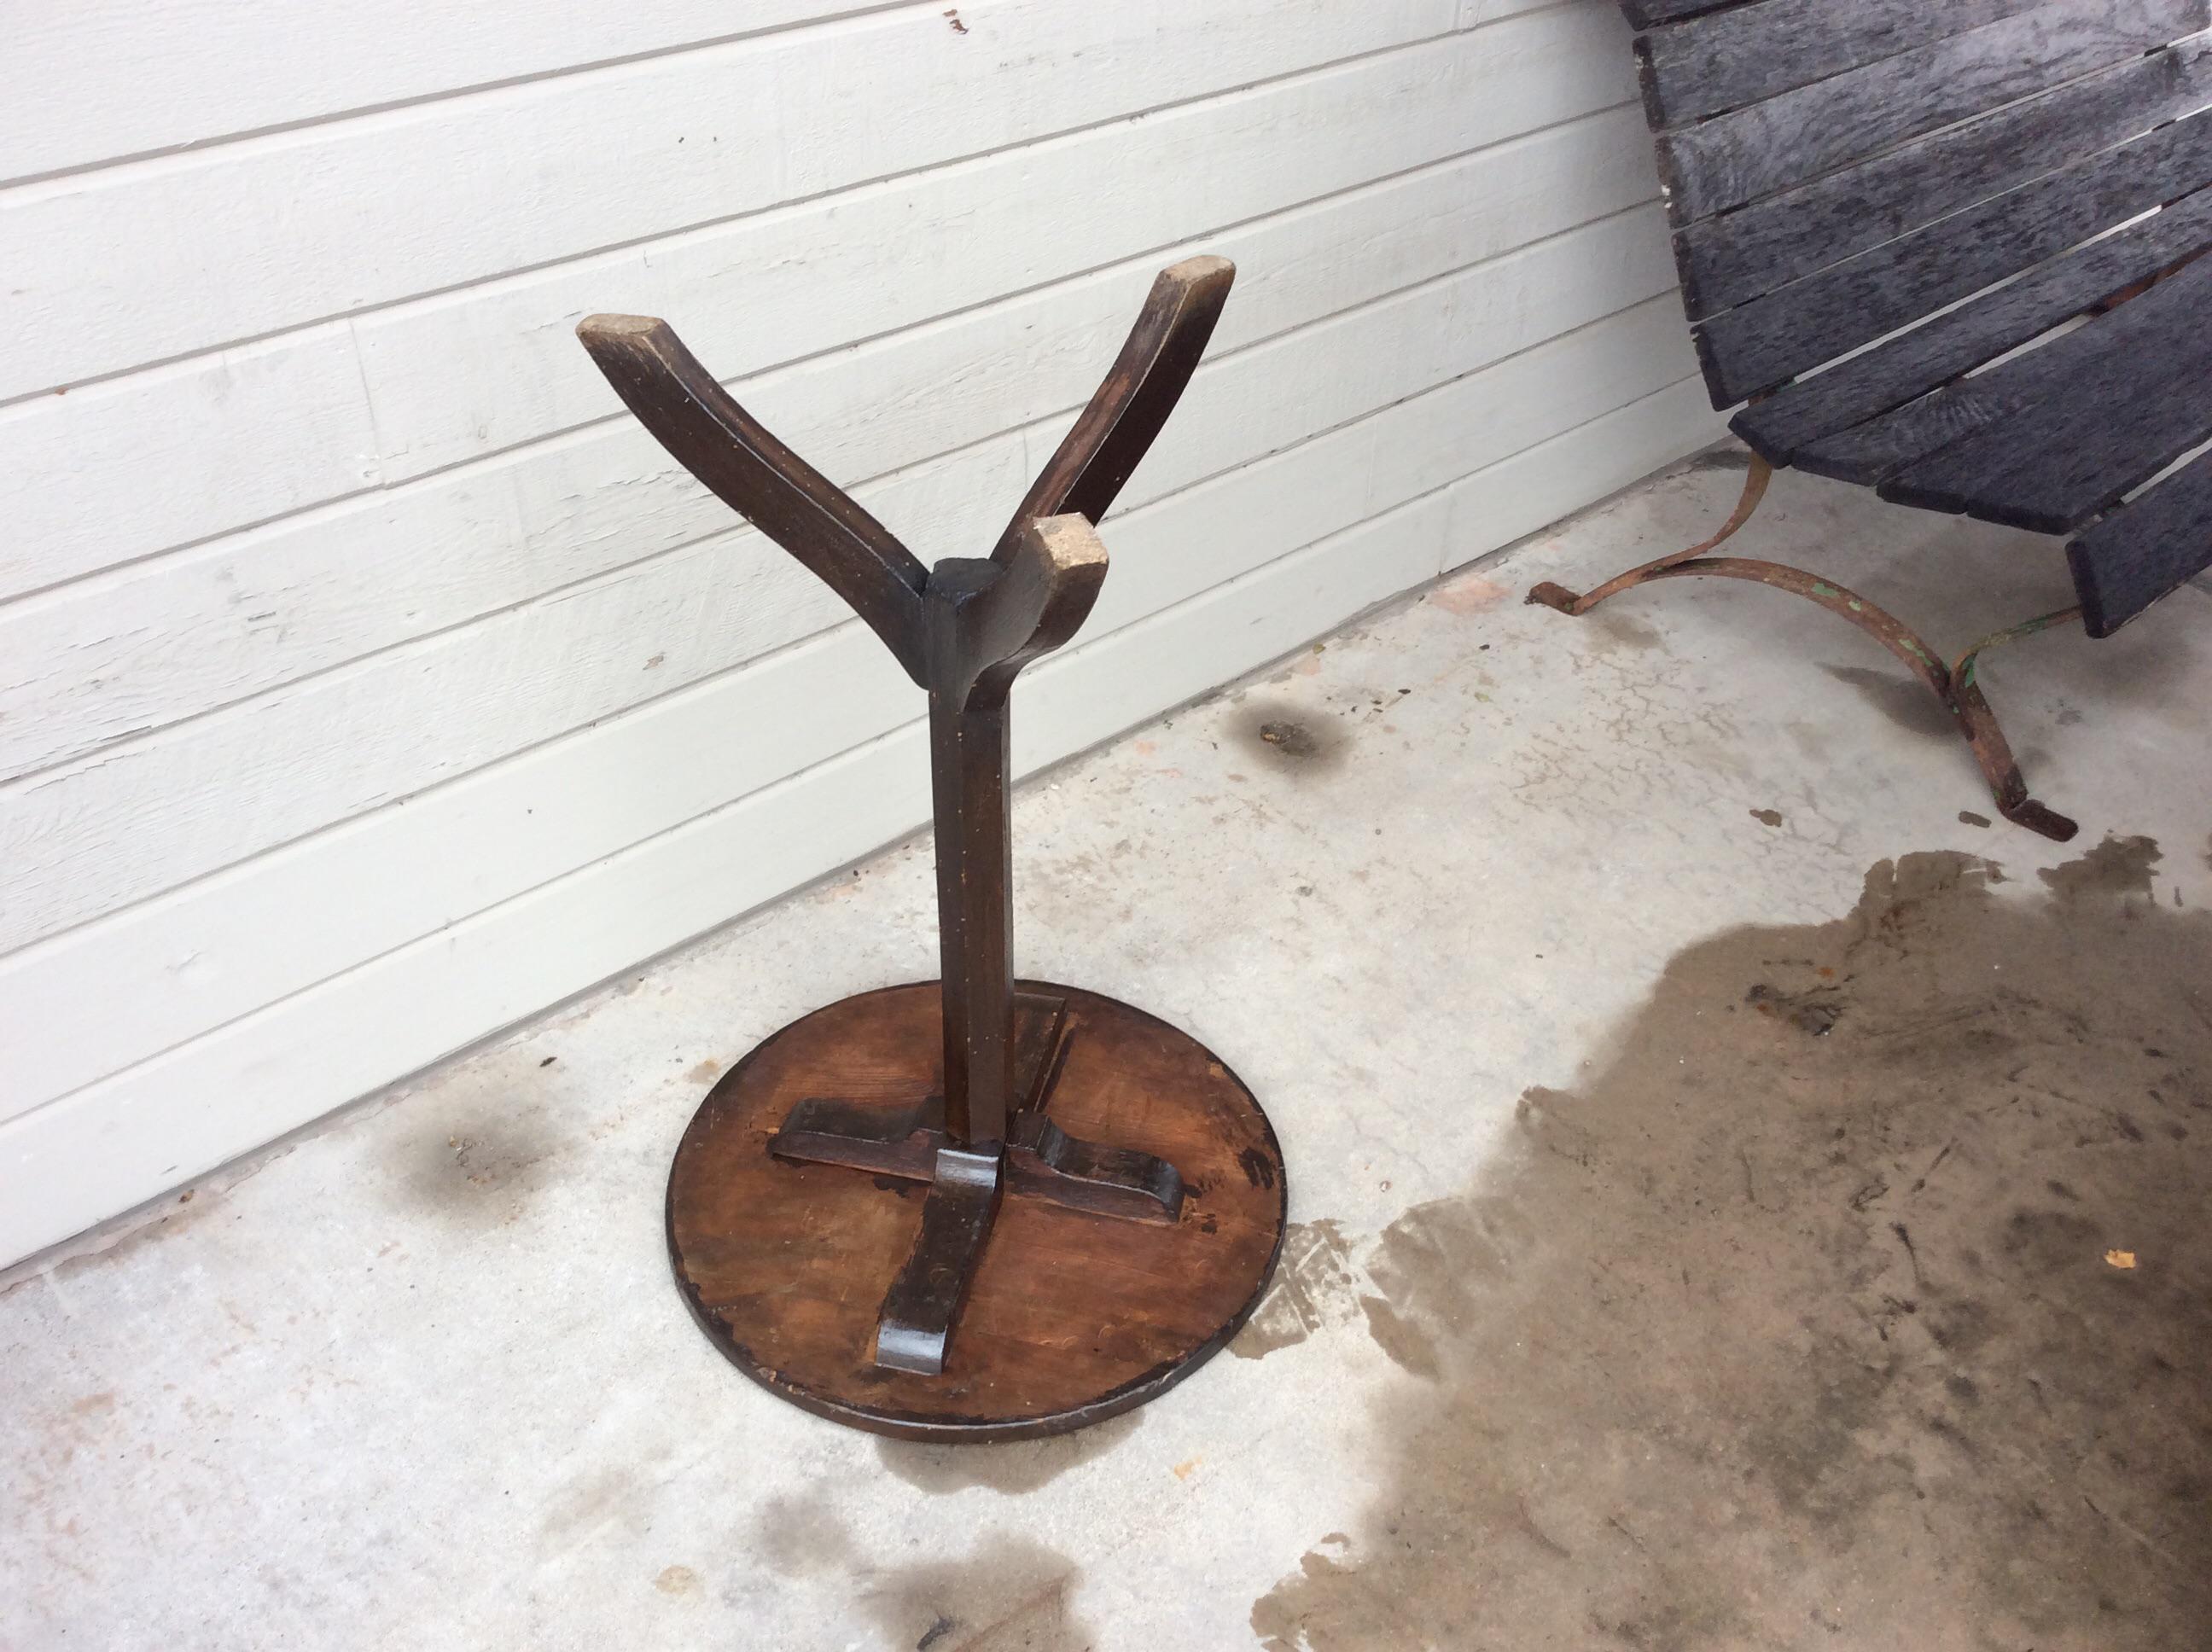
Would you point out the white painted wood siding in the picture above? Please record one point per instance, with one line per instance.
(368, 682)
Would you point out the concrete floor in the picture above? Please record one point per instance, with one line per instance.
(1700, 1226)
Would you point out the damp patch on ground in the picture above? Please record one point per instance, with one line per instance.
(1865, 1301)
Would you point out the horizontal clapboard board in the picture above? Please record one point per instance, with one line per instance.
(1949, 251)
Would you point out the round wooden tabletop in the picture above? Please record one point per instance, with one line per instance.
(1072, 1318)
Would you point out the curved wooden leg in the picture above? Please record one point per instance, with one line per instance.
(915, 1326)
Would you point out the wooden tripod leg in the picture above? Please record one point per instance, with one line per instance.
(915, 1326)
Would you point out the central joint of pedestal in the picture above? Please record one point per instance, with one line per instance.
(1036, 1159)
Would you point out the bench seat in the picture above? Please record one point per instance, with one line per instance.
(1952, 249)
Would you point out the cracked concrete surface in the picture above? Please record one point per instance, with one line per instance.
(1451, 891)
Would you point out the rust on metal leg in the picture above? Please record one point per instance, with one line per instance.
(1956, 689)
(1883, 627)
(1953, 685)
(1962, 669)
(1991, 750)
(1549, 595)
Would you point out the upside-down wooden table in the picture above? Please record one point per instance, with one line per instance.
(1101, 1199)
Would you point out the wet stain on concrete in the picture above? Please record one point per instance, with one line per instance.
(704, 1073)
(2117, 866)
(477, 1167)
(1767, 817)
(617, 1496)
(798, 1537)
(1295, 742)
(1010, 1595)
(1312, 1287)
(1778, 1341)
(1014, 1467)
(1904, 700)
(1290, 737)
(1612, 631)
(677, 1580)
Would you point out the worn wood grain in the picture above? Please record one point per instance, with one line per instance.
(1893, 372)
(1647, 14)
(700, 424)
(1757, 345)
(1748, 53)
(1870, 451)
(1069, 1318)
(1094, 461)
(2145, 549)
(1729, 260)
(2135, 403)
(1787, 140)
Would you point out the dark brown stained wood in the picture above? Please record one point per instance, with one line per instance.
(1789, 139)
(1757, 345)
(982, 622)
(964, 630)
(2054, 370)
(1069, 1318)
(1735, 257)
(1693, 70)
(2143, 400)
(691, 415)
(930, 1290)
(1909, 366)
(2145, 549)
(1097, 457)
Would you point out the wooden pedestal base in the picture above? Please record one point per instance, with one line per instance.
(1072, 1317)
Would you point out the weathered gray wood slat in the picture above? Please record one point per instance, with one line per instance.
(1838, 171)
(1649, 14)
(2138, 406)
(2145, 549)
(2054, 370)
(1788, 139)
(1733, 259)
(1758, 345)
(1726, 61)
(1908, 366)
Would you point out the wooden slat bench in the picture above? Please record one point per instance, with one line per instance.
(1951, 249)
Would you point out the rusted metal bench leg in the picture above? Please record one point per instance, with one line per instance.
(1991, 750)
(1953, 685)
(1549, 595)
